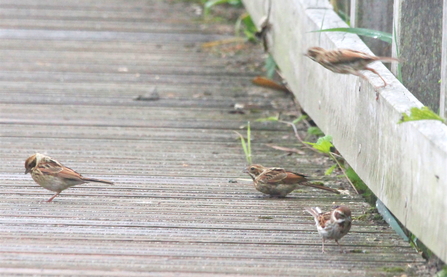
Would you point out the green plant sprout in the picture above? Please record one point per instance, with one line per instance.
(315, 131)
(270, 66)
(324, 145)
(330, 169)
(270, 118)
(246, 144)
(249, 27)
(423, 113)
(300, 118)
(210, 3)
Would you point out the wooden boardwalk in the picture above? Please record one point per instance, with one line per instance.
(70, 72)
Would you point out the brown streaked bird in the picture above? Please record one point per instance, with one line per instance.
(332, 225)
(278, 182)
(54, 176)
(346, 61)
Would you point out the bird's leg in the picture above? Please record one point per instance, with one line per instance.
(341, 248)
(374, 71)
(322, 247)
(376, 89)
(51, 199)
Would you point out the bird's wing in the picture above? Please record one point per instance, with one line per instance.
(293, 177)
(272, 176)
(323, 218)
(50, 166)
(54, 168)
(346, 56)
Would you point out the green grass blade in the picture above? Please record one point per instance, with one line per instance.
(330, 170)
(399, 66)
(302, 117)
(248, 143)
(244, 146)
(249, 24)
(245, 23)
(270, 118)
(384, 36)
(238, 25)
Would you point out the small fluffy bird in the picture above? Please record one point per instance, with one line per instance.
(277, 182)
(346, 61)
(332, 225)
(54, 176)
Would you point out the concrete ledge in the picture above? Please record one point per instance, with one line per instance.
(405, 165)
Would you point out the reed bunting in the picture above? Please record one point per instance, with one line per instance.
(277, 182)
(54, 176)
(332, 225)
(346, 61)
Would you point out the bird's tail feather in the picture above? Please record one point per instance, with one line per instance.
(97, 181)
(307, 184)
(388, 59)
(315, 211)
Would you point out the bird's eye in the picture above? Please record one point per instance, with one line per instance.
(32, 164)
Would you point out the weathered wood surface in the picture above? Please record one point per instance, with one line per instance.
(175, 209)
(421, 51)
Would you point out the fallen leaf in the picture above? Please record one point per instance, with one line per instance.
(268, 83)
(221, 42)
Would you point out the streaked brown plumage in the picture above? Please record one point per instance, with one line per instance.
(332, 225)
(54, 176)
(346, 61)
(278, 182)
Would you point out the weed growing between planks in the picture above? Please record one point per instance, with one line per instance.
(246, 144)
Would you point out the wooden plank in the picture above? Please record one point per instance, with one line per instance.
(443, 87)
(106, 36)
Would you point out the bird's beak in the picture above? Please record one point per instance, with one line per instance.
(26, 171)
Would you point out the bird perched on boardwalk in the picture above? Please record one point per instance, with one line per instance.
(54, 176)
(346, 61)
(332, 225)
(278, 182)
